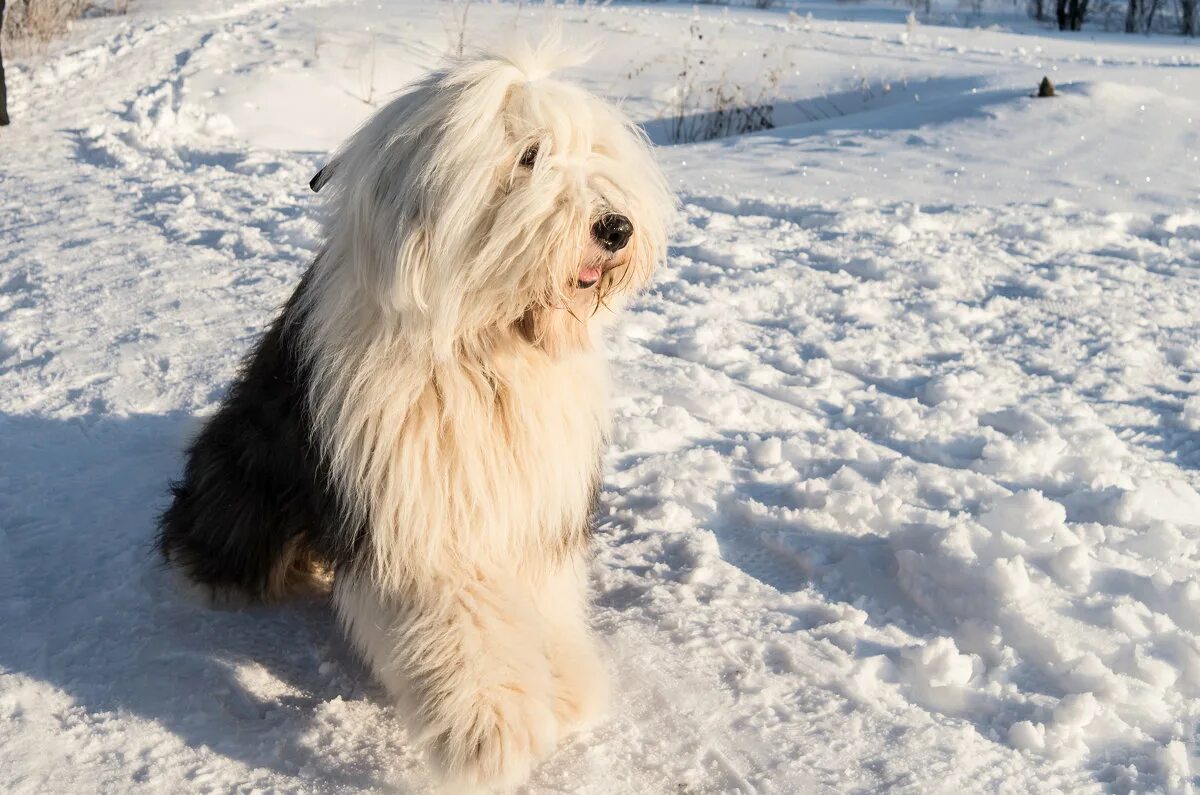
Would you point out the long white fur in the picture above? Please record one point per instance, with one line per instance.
(459, 397)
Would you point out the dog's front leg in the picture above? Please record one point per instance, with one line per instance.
(467, 659)
(580, 677)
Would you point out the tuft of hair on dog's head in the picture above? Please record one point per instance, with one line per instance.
(491, 198)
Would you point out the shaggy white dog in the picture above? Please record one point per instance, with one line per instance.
(426, 418)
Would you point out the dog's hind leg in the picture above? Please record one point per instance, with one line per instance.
(467, 660)
(232, 549)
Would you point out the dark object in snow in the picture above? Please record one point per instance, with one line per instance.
(1046, 88)
(3, 90)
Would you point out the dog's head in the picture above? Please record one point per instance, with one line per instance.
(491, 196)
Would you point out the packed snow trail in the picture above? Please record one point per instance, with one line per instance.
(902, 489)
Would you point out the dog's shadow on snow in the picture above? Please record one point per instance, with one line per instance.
(89, 609)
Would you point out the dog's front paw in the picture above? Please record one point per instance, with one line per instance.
(495, 738)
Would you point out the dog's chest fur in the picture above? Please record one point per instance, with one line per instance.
(491, 456)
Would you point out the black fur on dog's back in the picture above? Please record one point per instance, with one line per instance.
(255, 512)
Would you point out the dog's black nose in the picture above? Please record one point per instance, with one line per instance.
(612, 231)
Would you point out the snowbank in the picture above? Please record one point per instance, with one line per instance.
(903, 485)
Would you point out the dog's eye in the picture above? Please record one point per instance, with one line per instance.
(529, 157)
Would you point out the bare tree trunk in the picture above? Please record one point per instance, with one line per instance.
(3, 88)
(1076, 11)
(1133, 16)
(1150, 17)
(1060, 13)
(1187, 17)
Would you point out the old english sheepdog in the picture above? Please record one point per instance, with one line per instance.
(424, 421)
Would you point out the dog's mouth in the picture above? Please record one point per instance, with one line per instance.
(589, 276)
(591, 273)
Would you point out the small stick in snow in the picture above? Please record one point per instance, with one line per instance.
(1046, 88)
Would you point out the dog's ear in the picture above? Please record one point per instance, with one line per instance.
(320, 178)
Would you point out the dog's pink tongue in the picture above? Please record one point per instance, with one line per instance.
(589, 276)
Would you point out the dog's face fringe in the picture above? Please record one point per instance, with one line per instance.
(466, 207)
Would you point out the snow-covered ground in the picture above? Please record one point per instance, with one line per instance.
(903, 489)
